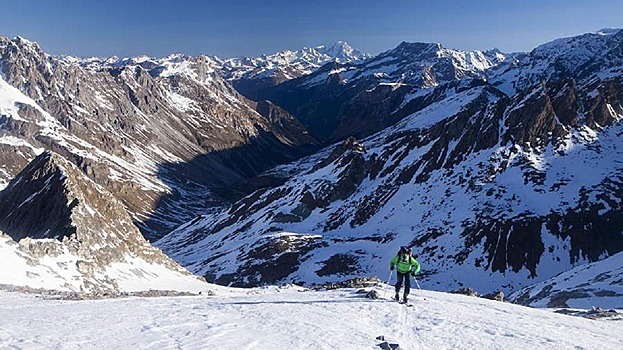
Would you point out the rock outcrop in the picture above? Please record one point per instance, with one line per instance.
(56, 212)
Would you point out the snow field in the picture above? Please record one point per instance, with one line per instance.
(292, 318)
(61, 272)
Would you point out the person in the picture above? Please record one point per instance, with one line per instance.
(406, 265)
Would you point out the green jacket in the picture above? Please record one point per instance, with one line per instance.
(406, 263)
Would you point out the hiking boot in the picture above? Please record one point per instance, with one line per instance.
(397, 297)
(404, 298)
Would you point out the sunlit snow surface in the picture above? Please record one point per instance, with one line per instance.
(291, 318)
(62, 272)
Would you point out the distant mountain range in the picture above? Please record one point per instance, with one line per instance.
(143, 128)
(500, 170)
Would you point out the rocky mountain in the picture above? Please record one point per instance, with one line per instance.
(592, 56)
(68, 233)
(493, 188)
(165, 136)
(360, 98)
(251, 75)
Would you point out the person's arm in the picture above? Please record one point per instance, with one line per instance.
(415, 267)
(393, 262)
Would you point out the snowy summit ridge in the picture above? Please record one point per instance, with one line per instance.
(290, 64)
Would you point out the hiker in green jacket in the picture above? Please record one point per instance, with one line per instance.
(406, 265)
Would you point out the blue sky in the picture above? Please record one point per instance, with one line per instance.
(233, 28)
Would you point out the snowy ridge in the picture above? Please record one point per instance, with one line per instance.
(294, 318)
(284, 65)
(289, 64)
(585, 286)
(586, 57)
(418, 64)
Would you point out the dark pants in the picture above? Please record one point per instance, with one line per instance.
(407, 279)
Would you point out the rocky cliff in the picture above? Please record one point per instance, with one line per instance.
(57, 214)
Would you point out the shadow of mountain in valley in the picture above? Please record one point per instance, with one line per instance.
(213, 180)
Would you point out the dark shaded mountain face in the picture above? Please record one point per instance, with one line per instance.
(167, 136)
(497, 178)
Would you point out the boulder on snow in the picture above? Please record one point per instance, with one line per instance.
(466, 291)
(593, 314)
(389, 346)
(358, 282)
(559, 299)
(372, 295)
(497, 296)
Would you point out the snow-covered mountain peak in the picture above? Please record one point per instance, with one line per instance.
(608, 31)
(587, 58)
(422, 51)
(175, 57)
(414, 48)
(20, 46)
(341, 51)
(251, 74)
(21, 41)
(587, 44)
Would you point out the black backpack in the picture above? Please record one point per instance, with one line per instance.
(404, 253)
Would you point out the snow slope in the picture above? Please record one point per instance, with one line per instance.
(292, 318)
(596, 284)
(64, 272)
(587, 57)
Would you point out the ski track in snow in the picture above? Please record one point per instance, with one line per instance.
(290, 318)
